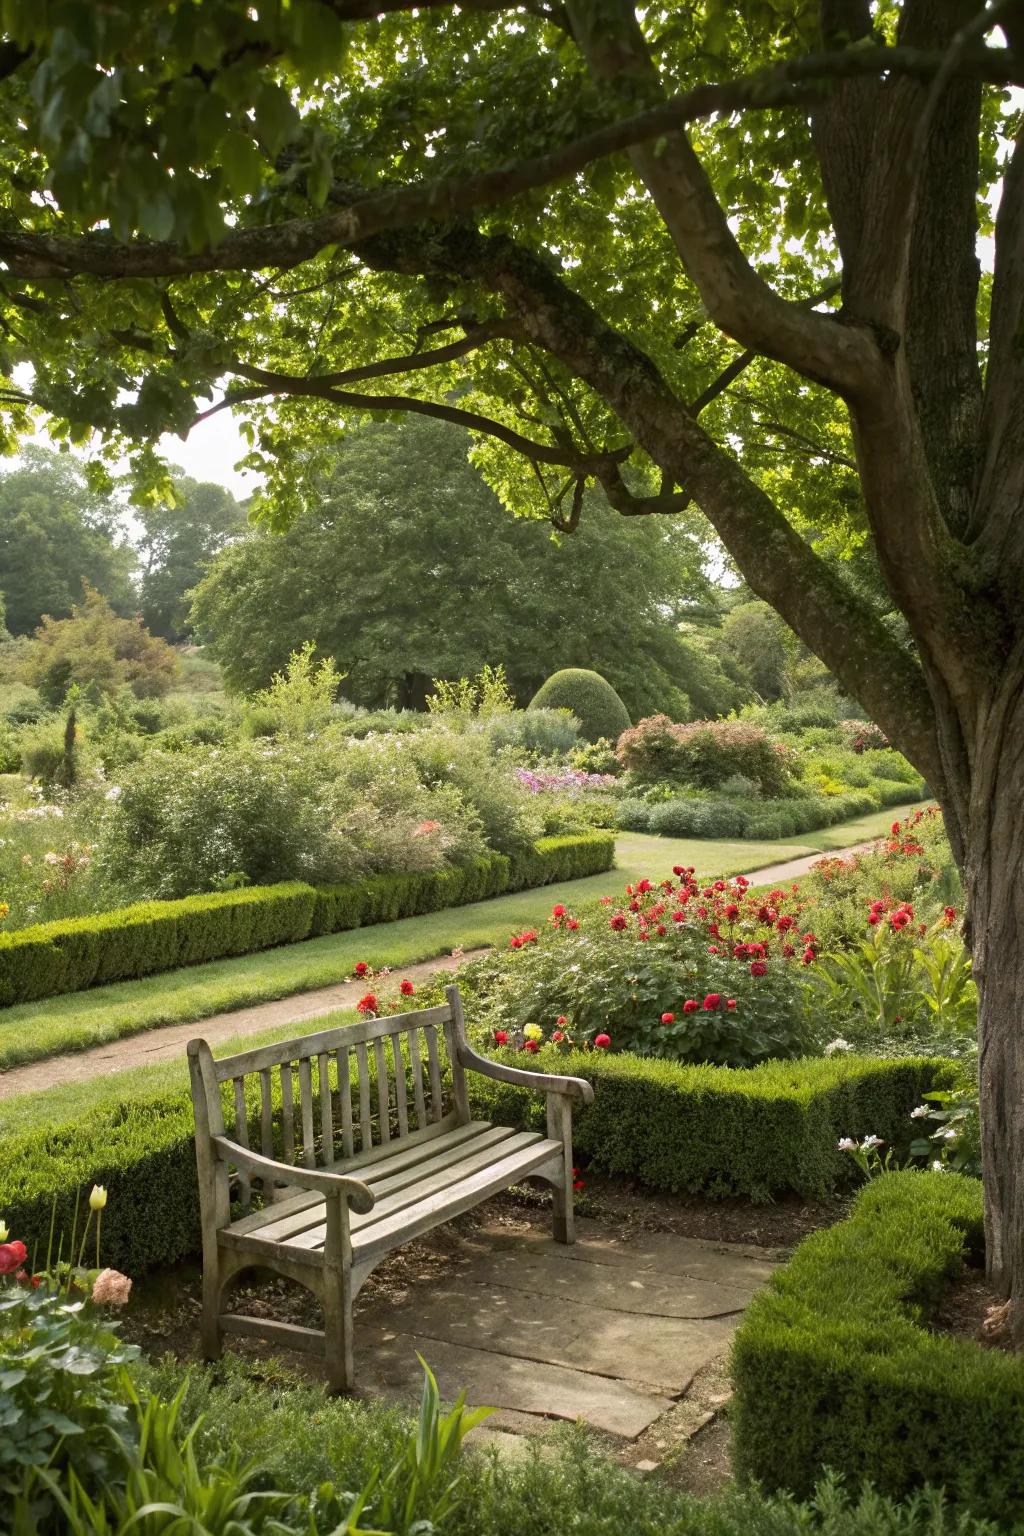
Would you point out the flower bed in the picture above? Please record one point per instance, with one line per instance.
(130, 942)
(834, 1365)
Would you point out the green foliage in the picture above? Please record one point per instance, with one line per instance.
(179, 537)
(300, 700)
(534, 734)
(97, 651)
(835, 1364)
(72, 955)
(446, 583)
(481, 697)
(56, 533)
(591, 699)
(61, 1398)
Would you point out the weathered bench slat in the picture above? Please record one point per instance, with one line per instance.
(445, 1161)
(401, 1091)
(306, 1106)
(416, 1062)
(327, 1229)
(326, 1107)
(365, 1120)
(383, 1096)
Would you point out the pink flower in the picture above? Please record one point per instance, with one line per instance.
(557, 1036)
(111, 1288)
(602, 1042)
(691, 1005)
(531, 1046)
(730, 1002)
(668, 1018)
(425, 828)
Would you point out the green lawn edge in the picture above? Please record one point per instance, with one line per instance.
(32, 1032)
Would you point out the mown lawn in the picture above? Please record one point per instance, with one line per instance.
(34, 1031)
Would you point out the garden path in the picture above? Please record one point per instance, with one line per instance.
(167, 1043)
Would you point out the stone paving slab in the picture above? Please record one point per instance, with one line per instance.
(388, 1367)
(610, 1330)
(665, 1353)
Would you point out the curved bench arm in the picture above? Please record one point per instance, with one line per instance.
(359, 1195)
(540, 1082)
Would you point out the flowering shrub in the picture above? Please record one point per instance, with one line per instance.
(705, 753)
(863, 735)
(676, 970)
(565, 781)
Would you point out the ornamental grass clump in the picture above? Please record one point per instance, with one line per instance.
(676, 970)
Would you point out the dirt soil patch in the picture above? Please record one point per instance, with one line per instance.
(971, 1309)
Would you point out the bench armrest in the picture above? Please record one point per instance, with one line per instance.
(359, 1195)
(540, 1082)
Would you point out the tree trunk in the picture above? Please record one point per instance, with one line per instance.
(994, 866)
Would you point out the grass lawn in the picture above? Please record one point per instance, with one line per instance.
(34, 1031)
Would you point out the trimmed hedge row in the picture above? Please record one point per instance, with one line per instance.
(727, 816)
(835, 1365)
(76, 953)
(708, 1130)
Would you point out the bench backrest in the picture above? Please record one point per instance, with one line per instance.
(359, 1087)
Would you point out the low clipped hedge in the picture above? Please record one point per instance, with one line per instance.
(76, 953)
(717, 1131)
(835, 1365)
(733, 816)
(707, 1130)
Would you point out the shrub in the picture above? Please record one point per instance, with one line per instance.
(534, 733)
(595, 757)
(100, 652)
(834, 1365)
(509, 820)
(693, 1129)
(863, 735)
(704, 753)
(591, 699)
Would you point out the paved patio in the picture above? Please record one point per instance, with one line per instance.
(611, 1331)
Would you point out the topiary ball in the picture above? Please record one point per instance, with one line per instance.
(592, 700)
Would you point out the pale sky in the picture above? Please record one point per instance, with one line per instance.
(210, 452)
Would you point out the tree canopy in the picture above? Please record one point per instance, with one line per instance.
(404, 567)
(176, 543)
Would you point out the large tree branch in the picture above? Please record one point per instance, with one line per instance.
(739, 300)
(289, 242)
(833, 621)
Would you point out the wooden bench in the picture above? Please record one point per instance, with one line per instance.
(345, 1176)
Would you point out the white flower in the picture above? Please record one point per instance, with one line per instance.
(949, 1135)
(920, 1113)
(113, 793)
(51, 858)
(4, 1232)
(938, 1167)
(871, 1141)
(837, 1045)
(847, 1144)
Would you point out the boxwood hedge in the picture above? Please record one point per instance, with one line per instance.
(75, 953)
(835, 1364)
(703, 1130)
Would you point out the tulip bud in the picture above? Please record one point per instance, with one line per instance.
(98, 1198)
(4, 1233)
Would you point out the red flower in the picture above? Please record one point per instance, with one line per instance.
(577, 1182)
(501, 1037)
(558, 910)
(895, 829)
(730, 1002)
(361, 968)
(634, 905)
(561, 1021)
(572, 924)
(765, 915)
(690, 1006)
(719, 885)
(758, 968)
(712, 1001)
(788, 951)
(557, 1035)
(660, 930)
(678, 917)
(12, 1257)
(874, 918)
(531, 1046)
(515, 942)
(602, 1042)
(808, 956)
(529, 936)
(618, 922)
(644, 886)
(784, 923)
(668, 1018)
(367, 1004)
(949, 913)
(731, 911)
(24, 1278)
(406, 988)
(678, 869)
(900, 920)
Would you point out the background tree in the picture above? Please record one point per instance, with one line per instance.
(405, 567)
(56, 533)
(100, 653)
(786, 195)
(177, 541)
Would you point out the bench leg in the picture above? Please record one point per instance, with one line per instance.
(338, 1332)
(560, 1129)
(211, 1337)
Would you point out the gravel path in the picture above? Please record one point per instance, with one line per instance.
(168, 1042)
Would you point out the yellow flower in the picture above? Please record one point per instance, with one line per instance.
(533, 1032)
(98, 1198)
(4, 1232)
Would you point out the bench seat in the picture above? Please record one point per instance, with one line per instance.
(415, 1189)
